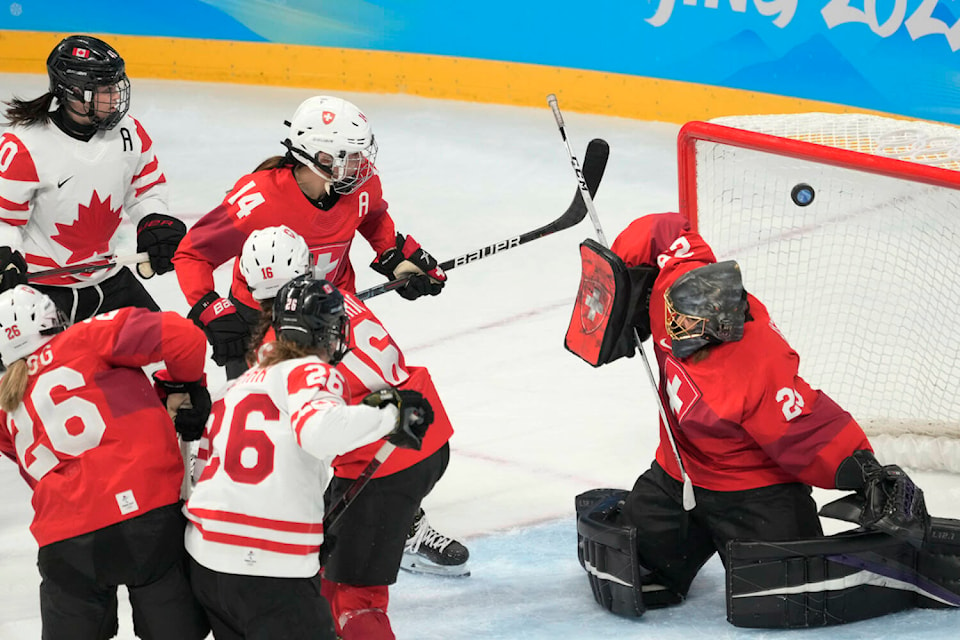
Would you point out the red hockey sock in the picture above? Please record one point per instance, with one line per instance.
(360, 612)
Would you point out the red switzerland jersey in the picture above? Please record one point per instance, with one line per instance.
(746, 418)
(91, 437)
(375, 362)
(271, 198)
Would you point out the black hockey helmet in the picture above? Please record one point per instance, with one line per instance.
(310, 313)
(704, 306)
(78, 66)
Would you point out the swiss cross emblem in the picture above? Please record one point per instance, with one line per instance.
(595, 301)
(681, 391)
(328, 117)
(81, 53)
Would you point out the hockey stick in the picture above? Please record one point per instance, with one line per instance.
(689, 501)
(113, 261)
(334, 512)
(594, 164)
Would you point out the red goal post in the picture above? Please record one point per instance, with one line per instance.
(848, 228)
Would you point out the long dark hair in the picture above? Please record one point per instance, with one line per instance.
(275, 162)
(28, 112)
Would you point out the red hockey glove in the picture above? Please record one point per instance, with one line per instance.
(408, 258)
(415, 415)
(226, 330)
(159, 236)
(189, 413)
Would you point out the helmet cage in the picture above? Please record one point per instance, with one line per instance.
(348, 171)
(80, 68)
(310, 313)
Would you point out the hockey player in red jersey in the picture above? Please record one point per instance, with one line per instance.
(256, 559)
(369, 538)
(327, 190)
(100, 452)
(745, 430)
(68, 174)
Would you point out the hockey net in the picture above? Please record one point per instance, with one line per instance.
(862, 279)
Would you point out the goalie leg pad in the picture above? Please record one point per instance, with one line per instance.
(938, 560)
(839, 579)
(608, 553)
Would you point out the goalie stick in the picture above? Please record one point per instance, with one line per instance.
(136, 258)
(594, 164)
(689, 501)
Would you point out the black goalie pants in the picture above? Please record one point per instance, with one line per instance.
(675, 544)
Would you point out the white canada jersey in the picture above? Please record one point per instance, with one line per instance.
(61, 199)
(257, 508)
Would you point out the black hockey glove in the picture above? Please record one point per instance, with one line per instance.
(160, 235)
(226, 330)
(13, 269)
(408, 259)
(416, 415)
(892, 503)
(191, 417)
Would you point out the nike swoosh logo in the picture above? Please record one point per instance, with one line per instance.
(63, 182)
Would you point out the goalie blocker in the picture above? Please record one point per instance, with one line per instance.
(613, 301)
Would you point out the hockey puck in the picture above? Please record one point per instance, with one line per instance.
(802, 194)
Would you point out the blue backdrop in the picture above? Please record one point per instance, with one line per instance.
(899, 56)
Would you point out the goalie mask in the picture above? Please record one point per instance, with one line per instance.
(706, 306)
(310, 313)
(28, 319)
(272, 257)
(333, 138)
(88, 77)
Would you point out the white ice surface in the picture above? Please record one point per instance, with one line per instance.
(534, 424)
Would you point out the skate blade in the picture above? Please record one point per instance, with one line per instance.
(422, 566)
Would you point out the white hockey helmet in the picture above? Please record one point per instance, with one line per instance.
(272, 257)
(28, 319)
(333, 138)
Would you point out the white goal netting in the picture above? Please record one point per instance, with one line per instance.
(848, 228)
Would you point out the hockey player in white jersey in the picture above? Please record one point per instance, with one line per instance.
(256, 513)
(72, 163)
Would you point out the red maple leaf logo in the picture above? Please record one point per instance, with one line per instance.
(90, 234)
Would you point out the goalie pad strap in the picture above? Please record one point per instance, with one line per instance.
(839, 579)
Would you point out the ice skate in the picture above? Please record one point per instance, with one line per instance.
(430, 552)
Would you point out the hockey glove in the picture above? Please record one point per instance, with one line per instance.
(892, 503)
(13, 269)
(159, 236)
(189, 402)
(226, 330)
(415, 415)
(408, 260)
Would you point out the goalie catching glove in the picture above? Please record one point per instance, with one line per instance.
(892, 503)
(408, 260)
(414, 415)
(158, 236)
(188, 403)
